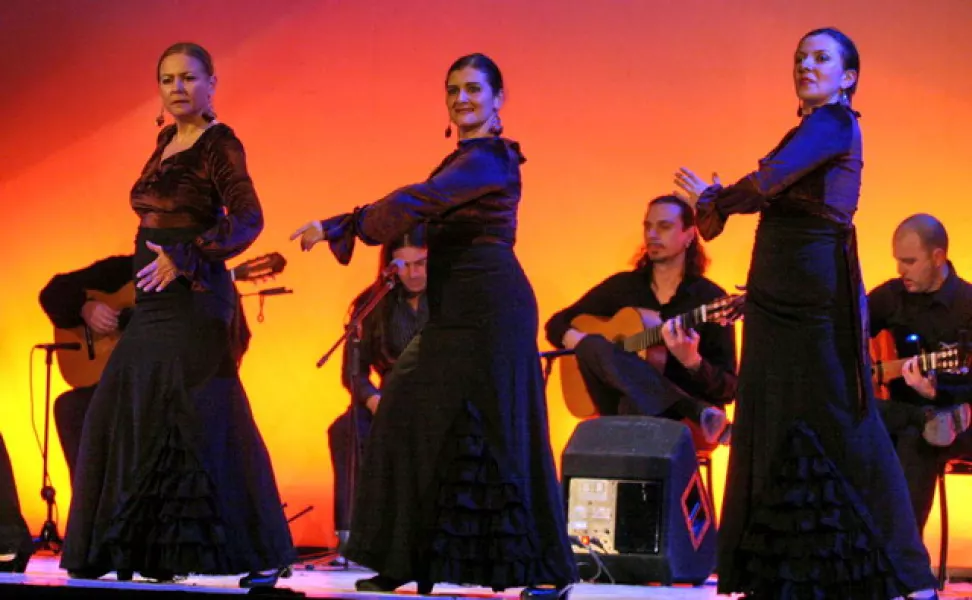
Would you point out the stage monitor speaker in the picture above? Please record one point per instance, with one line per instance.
(634, 495)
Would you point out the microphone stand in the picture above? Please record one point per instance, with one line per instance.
(49, 539)
(548, 358)
(352, 333)
(263, 295)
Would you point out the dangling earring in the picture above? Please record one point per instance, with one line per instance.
(448, 131)
(160, 120)
(209, 114)
(844, 98)
(495, 125)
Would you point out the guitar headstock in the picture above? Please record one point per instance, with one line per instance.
(260, 268)
(950, 359)
(725, 310)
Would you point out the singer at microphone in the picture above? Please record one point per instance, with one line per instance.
(384, 334)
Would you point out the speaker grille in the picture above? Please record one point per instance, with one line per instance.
(639, 517)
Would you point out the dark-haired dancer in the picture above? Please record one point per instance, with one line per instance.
(816, 505)
(173, 476)
(16, 545)
(458, 481)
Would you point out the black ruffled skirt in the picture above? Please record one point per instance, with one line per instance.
(173, 475)
(14, 535)
(816, 505)
(458, 481)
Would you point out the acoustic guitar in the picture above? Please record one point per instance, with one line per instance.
(886, 366)
(79, 370)
(635, 330)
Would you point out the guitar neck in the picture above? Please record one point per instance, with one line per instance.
(886, 370)
(652, 336)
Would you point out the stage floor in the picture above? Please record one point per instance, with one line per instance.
(338, 583)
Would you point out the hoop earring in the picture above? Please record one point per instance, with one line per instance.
(160, 120)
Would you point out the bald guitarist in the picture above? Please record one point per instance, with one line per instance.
(80, 299)
(696, 376)
(927, 306)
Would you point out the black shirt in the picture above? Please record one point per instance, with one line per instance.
(930, 320)
(65, 294)
(384, 335)
(715, 380)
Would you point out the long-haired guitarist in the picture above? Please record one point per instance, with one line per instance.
(927, 307)
(696, 376)
(384, 334)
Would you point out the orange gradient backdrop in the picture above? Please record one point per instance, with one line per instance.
(338, 102)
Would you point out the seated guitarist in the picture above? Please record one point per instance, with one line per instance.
(385, 333)
(698, 375)
(65, 300)
(927, 306)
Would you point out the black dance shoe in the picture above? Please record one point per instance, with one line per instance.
(18, 564)
(380, 583)
(545, 592)
(87, 573)
(264, 579)
(161, 576)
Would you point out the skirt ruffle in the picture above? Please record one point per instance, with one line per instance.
(809, 538)
(483, 532)
(170, 522)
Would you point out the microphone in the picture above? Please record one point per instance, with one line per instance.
(394, 267)
(59, 346)
(274, 291)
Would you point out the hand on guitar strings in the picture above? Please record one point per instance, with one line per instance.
(310, 234)
(911, 373)
(692, 186)
(682, 343)
(158, 274)
(100, 318)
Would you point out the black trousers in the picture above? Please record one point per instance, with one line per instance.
(622, 382)
(339, 438)
(69, 411)
(920, 461)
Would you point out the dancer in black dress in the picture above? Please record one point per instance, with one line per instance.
(16, 545)
(173, 476)
(816, 505)
(458, 481)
